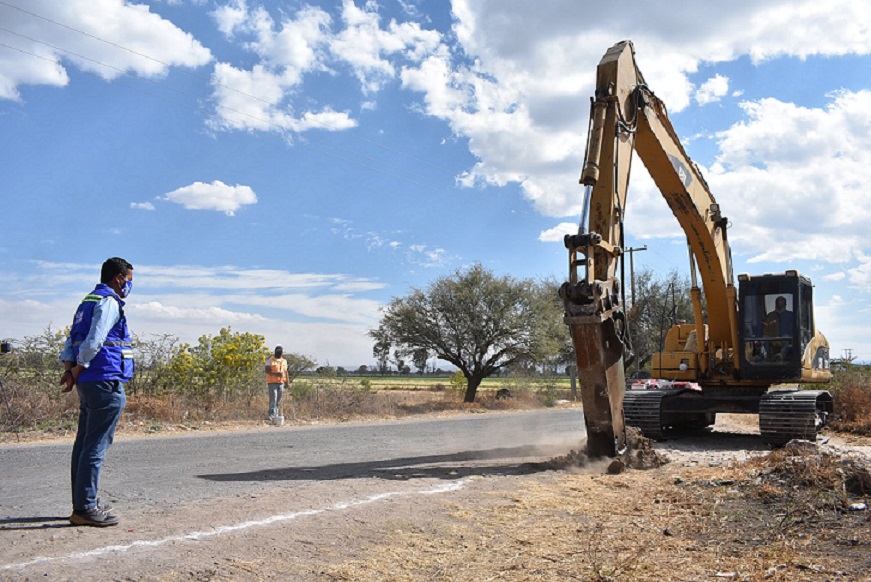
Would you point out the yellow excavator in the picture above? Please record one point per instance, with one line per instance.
(743, 341)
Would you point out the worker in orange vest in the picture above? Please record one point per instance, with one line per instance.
(276, 378)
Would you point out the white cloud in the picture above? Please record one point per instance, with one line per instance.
(712, 90)
(89, 34)
(295, 45)
(215, 196)
(158, 311)
(28, 317)
(320, 314)
(340, 342)
(332, 306)
(417, 254)
(558, 233)
(254, 100)
(230, 16)
(861, 275)
(841, 317)
(228, 278)
(428, 257)
(142, 205)
(365, 45)
(261, 97)
(792, 176)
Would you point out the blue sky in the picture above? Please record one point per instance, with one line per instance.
(287, 167)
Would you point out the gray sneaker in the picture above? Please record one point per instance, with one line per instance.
(103, 506)
(96, 517)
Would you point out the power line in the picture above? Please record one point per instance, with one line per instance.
(203, 78)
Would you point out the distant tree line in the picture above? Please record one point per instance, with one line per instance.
(477, 322)
(483, 324)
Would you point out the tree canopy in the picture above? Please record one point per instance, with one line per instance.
(475, 320)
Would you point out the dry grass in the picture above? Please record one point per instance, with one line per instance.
(768, 519)
(852, 407)
(35, 406)
(40, 414)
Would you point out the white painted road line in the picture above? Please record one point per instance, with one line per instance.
(198, 535)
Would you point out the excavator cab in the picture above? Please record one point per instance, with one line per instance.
(777, 325)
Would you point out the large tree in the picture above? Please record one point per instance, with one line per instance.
(475, 320)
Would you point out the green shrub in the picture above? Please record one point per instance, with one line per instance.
(548, 394)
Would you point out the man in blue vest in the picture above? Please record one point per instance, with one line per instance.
(98, 361)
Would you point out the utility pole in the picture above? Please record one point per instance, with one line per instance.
(632, 251)
(636, 357)
(848, 356)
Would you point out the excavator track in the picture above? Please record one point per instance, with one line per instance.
(793, 414)
(643, 409)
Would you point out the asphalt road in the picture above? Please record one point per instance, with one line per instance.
(177, 470)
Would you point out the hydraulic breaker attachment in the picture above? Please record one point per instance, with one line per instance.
(599, 353)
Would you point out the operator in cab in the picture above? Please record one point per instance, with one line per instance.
(778, 323)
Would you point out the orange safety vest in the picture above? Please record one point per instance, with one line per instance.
(277, 373)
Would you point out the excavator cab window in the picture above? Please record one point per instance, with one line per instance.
(776, 314)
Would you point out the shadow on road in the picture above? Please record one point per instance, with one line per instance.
(42, 522)
(449, 466)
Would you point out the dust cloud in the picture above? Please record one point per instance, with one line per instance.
(639, 454)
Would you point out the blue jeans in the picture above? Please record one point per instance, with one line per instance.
(100, 407)
(275, 391)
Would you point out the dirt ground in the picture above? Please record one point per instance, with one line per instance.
(723, 507)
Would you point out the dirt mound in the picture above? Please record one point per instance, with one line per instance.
(639, 454)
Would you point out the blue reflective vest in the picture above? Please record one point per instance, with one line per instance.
(114, 361)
